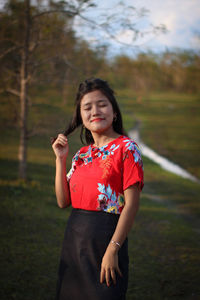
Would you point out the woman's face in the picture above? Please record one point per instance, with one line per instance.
(97, 112)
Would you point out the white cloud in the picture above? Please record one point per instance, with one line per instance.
(181, 17)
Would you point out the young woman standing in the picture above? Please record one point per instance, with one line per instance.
(103, 187)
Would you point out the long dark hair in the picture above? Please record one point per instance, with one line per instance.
(87, 86)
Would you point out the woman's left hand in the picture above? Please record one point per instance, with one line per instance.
(109, 265)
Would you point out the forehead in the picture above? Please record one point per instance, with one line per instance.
(93, 97)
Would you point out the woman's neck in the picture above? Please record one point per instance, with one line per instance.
(101, 140)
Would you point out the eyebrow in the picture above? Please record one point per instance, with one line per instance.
(98, 101)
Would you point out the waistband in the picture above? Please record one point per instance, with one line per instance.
(95, 213)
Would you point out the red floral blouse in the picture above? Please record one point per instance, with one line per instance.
(99, 176)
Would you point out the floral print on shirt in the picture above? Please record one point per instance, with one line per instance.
(88, 156)
(108, 200)
(132, 146)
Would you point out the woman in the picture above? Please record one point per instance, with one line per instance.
(103, 187)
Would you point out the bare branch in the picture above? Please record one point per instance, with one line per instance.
(9, 50)
(33, 47)
(70, 13)
(9, 40)
(11, 91)
(71, 10)
(125, 24)
(14, 92)
(105, 28)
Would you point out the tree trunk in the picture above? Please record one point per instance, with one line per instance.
(22, 155)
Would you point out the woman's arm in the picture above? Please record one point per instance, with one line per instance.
(61, 184)
(61, 149)
(110, 260)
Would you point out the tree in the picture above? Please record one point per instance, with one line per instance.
(34, 34)
(25, 30)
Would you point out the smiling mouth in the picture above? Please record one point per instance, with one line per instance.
(97, 120)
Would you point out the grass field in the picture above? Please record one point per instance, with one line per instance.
(164, 242)
(170, 125)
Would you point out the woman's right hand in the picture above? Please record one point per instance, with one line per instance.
(61, 147)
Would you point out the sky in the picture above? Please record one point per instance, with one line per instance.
(180, 17)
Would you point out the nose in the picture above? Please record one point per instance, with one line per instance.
(95, 110)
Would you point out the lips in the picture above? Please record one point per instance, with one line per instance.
(97, 120)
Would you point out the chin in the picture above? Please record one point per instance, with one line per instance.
(100, 129)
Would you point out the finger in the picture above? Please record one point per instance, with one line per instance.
(108, 277)
(59, 145)
(61, 142)
(63, 139)
(60, 135)
(102, 275)
(118, 271)
(113, 276)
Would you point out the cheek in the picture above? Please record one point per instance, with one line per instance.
(84, 116)
(110, 112)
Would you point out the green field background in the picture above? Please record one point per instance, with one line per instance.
(164, 241)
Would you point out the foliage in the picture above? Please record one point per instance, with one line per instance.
(40, 27)
(169, 71)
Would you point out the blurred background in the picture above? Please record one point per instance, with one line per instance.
(149, 52)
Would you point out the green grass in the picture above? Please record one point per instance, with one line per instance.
(164, 242)
(170, 125)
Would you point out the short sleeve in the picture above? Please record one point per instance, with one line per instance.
(75, 160)
(132, 167)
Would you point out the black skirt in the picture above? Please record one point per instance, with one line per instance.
(87, 236)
